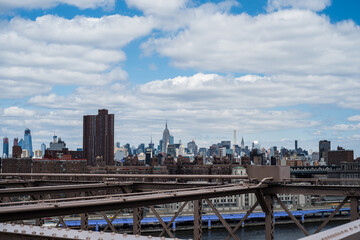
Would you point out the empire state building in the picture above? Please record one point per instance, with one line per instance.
(166, 139)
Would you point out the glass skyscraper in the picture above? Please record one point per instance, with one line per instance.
(27, 144)
(6, 147)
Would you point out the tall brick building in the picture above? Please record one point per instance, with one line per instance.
(98, 138)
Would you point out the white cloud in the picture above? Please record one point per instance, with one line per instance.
(158, 7)
(45, 4)
(315, 5)
(345, 127)
(17, 112)
(36, 55)
(355, 118)
(284, 42)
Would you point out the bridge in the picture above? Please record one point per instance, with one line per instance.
(26, 197)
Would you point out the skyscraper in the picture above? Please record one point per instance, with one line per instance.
(296, 145)
(21, 143)
(27, 144)
(165, 139)
(242, 143)
(6, 147)
(16, 142)
(324, 148)
(43, 149)
(98, 137)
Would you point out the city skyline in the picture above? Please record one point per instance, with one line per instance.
(275, 71)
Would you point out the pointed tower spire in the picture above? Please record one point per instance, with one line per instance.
(166, 125)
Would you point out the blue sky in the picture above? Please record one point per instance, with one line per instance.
(273, 70)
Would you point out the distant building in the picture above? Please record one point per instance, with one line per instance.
(67, 165)
(57, 144)
(5, 147)
(21, 143)
(25, 153)
(27, 144)
(16, 165)
(324, 148)
(16, 142)
(192, 147)
(340, 156)
(98, 137)
(16, 152)
(165, 139)
(43, 148)
(242, 143)
(296, 145)
(38, 154)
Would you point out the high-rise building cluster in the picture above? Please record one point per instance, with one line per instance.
(99, 150)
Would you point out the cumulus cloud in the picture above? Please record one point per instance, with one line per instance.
(45, 4)
(284, 42)
(17, 112)
(37, 55)
(355, 118)
(158, 7)
(314, 5)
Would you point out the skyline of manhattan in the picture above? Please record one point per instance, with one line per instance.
(274, 71)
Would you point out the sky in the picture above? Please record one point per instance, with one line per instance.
(273, 70)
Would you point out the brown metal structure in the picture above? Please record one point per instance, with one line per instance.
(114, 192)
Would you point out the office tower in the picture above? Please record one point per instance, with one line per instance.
(16, 142)
(98, 137)
(166, 139)
(16, 152)
(43, 149)
(118, 144)
(5, 147)
(21, 143)
(296, 145)
(27, 144)
(324, 148)
(242, 143)
(57, 144)
(151, 144)
(192, 147)
(172, 139)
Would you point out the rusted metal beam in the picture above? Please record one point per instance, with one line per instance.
(238, 225)
(332, 215)
(122, 176)
(108, 222)
(327, 190)
(222, 220)
(269, 218)
(58, 208)
(162, 222)
(84, 221)
(58, 189)
(197, 219)
(137, 216)
(174, 217)
(354, 208)
(298, 224)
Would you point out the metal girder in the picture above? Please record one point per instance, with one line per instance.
(198, 219)
(58, 208)
(354, 208)
(222, 220)
(108, 222)
(301, 227)
(162, 222)
(123, 176)
(58, 189)
(84, 221)
(332, 215)
(269, 218)
(174, 217)
(137, 216)
(243, 219)
(328, 190)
